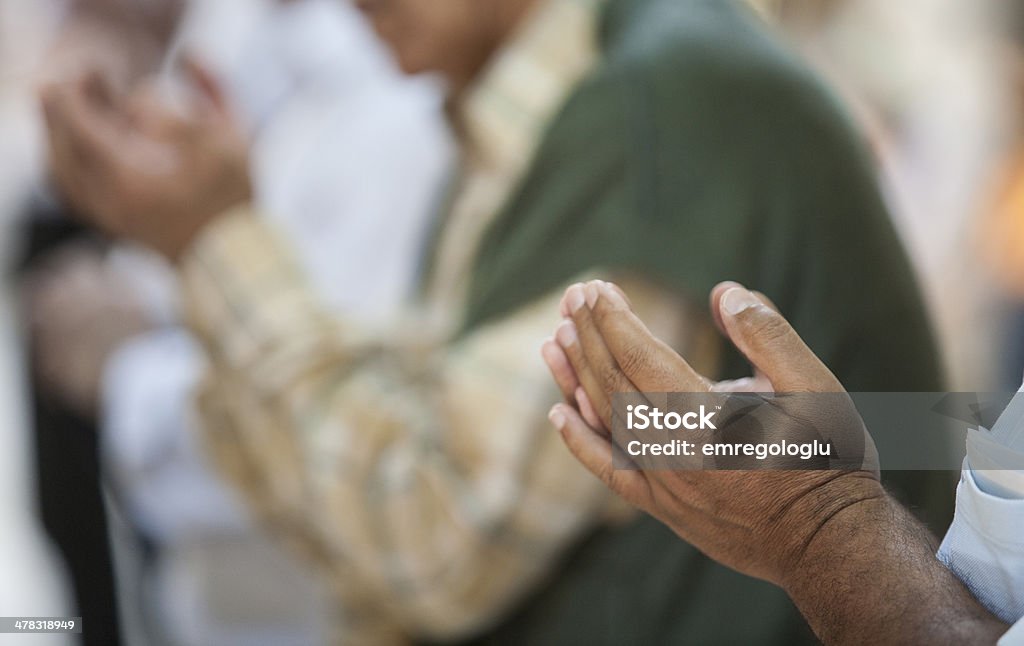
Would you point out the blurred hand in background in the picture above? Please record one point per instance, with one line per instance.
(80, 309)
(140, 170)
(126, 39)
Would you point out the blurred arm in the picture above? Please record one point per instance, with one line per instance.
(427, 469)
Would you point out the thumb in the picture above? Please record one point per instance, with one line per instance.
(772, 345)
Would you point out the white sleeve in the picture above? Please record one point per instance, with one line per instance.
(985, 545)
(984, 548)
(149, 447)
(1015, 636)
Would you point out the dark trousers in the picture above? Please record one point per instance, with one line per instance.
(69, 478)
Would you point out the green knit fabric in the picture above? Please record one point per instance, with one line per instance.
(701, 150)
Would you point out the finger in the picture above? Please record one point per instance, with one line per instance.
(89, 129)
(771, 344)
(599, 373)
(98, 90)
(716, 297)
(764, 299)
(568, 339)
(647, 362)
(563, 306)
(64, 164)
(716, 314)
(603, 285)
(588, 411)
(560, 368)
(761, 379)
(149, 113)
(595, 453)
(565, 311)
(208, 85)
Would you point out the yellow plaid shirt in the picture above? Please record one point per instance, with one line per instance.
(419, 473)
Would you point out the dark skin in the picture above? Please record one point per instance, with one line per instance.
(858, 565)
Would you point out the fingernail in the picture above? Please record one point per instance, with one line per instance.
(575, 298)
(548, 349)
(566, 334)
(591, 292)
(738, 299)
(557, 417)
(614, 297)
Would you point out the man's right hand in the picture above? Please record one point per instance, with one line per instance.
(855, 562)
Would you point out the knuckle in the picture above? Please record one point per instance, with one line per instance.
(607, 475)
(767, 325)
(576, 357)
(571, 442)
(635, 359)
(610, 377)
(617, 483)
(604, 313)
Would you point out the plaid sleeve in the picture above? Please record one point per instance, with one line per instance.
(427, 468)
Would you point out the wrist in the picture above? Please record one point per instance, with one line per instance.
(178, 247)
(825, 518)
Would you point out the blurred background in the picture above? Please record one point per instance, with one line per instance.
(109, 508)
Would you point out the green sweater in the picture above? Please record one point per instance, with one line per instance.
(701, 150)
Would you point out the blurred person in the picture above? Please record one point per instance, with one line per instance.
(412, 465)
(855, 561)
(331, 123)
(124, 40)
(33, 583)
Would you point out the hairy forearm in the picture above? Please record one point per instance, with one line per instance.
(869, 575)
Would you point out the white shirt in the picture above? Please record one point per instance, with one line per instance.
(985, 544)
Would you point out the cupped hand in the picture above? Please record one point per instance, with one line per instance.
(140, 170)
